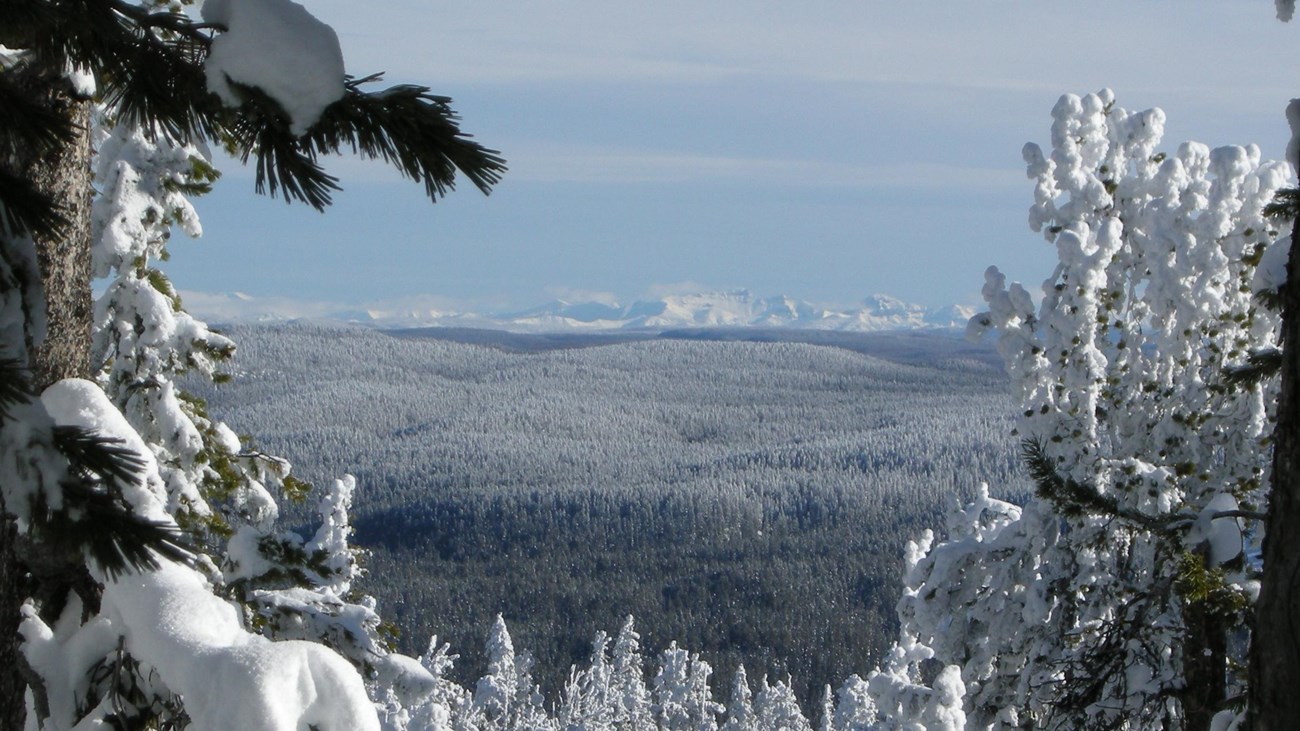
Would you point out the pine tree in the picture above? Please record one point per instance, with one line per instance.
(1274, 673)
(137, 76)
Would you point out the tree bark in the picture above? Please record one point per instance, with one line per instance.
(1204, 661)
(65, 261)
(1275, 643)
(64, 352)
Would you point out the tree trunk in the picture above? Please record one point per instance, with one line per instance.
(1275, 644)
(1205, 654)
(65, 266)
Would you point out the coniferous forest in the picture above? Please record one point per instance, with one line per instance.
(748, 500)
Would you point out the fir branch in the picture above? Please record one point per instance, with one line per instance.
(1260, 365)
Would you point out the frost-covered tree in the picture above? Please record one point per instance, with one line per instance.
(855, 709)
(632, 710)
(740, 704)
(120, 623)
(777, 709)
(586, 703)
(682, 698)
(506, 697)
(1119, 595)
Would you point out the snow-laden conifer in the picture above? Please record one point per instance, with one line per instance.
(1118, 595)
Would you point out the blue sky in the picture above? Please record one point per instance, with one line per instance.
(826, 150)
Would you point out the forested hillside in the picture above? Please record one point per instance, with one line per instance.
(748, 500)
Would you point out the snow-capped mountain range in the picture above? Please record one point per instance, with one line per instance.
(738, 308)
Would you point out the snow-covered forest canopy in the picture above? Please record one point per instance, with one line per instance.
(717, 491)
(148, 581)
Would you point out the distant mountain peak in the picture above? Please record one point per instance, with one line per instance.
(728, 308)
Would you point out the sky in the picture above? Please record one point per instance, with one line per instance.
(826, 151)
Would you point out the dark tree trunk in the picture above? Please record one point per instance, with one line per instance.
(1275, 644)
(65, 266)
(1205, 654)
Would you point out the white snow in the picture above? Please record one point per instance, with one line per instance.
(77, 402)
(231, 679)
(1270, 275)
(280, 48)
(1222, 535)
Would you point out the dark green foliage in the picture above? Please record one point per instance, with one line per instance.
(95, 516)
(14, 386)
(1285, 205)
(1073, 499)
(149, 69)
(1260, 366)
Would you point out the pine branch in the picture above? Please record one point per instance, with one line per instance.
(150, 68)
(1260, 365)
(1074, 499)
(412, 129)
(15, 386)
(1285, 204)
(113, 536)
(96, 515)
(27, 124)
(109, 459)
(284, 164)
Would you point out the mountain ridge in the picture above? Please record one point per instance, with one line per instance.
(732, 308)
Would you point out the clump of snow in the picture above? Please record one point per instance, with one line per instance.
(1270, 274)
(1222, 536)
(83, 82)
(280, 48)
(173, 622)
(60, 655)
(77, 402)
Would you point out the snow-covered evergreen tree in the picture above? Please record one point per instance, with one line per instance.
(777, 709)
(506, 697)
(740, 704)
(855, 709)
(682, 698)
(628, 693)
(1117, 597)
(587, 703)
